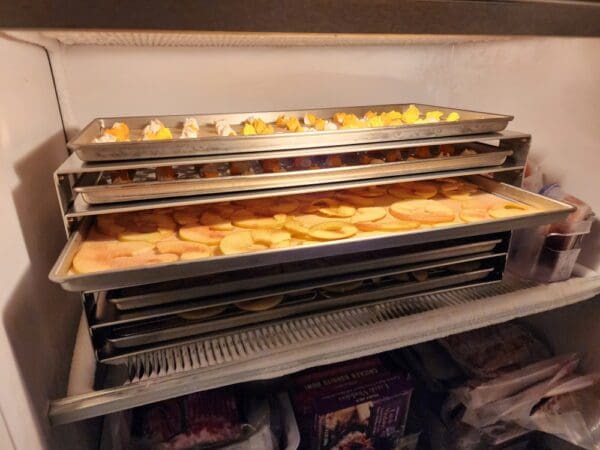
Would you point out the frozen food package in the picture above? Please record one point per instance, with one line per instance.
(210, 419)
(517, 407)
(478, 394)
(360, 404)
(573, 416)
(486, 353)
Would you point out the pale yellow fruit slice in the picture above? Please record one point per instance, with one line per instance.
(369, 214)
(354, 199)
(203, 313)
(152, 237)
(179, 247)
(424, 211)
(508, 210)
(329, 231)
(148, 227)
(458, 191)
(474, 214)
(239, 242)
(260, 304)
(201, 234)
(94, 256)
(269, 237)
(247, 219)
(329, 207)
(143, 260)
(387, 226)
(215, 221)
(413, 190)
(296, 228)
(283, 205)
(368, 191)
(195, 255)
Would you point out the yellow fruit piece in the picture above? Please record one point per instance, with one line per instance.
(239, 242)
(433, 115)
(310, 119)
(215, 221)
(394, 115)
(355, 199)
(296, 228)
(329, 231)
(283, 205)
(281, 121)
(413, 190)
(119, 130)
(201, 234)
(508, 210)
(369, 115)
(259, 125)
(424, 211)
(320, 124)
(474, 214)
(339, 118)
(163, 133)
(389, 227)
(458, 191)
(179, 247)
(375, 122)
(453, 117)
(132, 236)
(369, 214)
(351, 121)
(247, 219)
(411, 115)
(248, 130)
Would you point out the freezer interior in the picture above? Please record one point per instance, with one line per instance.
(56, 84)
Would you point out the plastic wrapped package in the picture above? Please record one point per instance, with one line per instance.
(205, 420)
(489, 352)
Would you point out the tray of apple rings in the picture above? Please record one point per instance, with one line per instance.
(238, 173)
(109, 251)
(146, 137)
(182, 320)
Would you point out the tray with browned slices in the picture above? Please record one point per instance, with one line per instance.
(127, 138)
(143, 247)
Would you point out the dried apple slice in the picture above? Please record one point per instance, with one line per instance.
(143, 260)
(269, 237)
(354, 199)
(296, 228)
(332, 208)
(390, 227)
(247, 219)
(508, 210)
(283, 205)
(201, 234)
(179, 247)
(474, 214)
(424, 211)
(195, 255)
(215, 221)
(95, 256)
(148, 227)
(328, 231)
(458, 191)
(413, 190)
(369, 214)
(239, 242)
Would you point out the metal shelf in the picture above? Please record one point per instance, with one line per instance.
(287, 346)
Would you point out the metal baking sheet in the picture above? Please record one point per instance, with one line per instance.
(94, 193)
(125, 301)
(128, 338)
(209, 143)
(102, 315)
(550, 211)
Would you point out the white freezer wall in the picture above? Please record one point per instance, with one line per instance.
(38, 320)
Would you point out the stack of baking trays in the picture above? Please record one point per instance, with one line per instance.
(184, 227)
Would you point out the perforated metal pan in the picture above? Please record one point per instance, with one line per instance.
(209, 143)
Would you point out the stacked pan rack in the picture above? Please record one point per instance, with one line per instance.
(139, 310)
